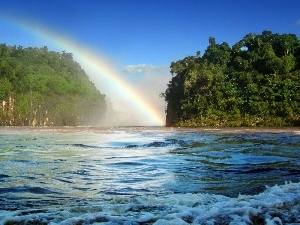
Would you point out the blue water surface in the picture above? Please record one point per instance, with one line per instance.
(67, 166)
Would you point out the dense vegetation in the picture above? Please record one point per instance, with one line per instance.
(41, 87)
(254, 83)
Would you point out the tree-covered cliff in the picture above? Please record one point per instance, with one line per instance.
(256, 82)
(42, 87)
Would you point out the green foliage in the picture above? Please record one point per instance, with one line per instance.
(42, 87)
(254, 83)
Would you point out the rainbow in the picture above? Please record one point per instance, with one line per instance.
(98, 64)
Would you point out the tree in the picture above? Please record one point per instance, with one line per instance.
(254, 83)
(41, 87)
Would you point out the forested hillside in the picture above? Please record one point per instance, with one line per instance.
(42, 87)
(256, 82)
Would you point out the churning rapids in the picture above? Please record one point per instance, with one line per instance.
(149, 175)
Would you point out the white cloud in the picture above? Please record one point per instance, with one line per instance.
(139, 68)
(297, 23)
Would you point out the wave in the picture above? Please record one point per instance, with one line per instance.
(279, 204)
(23, 189)
(120, 144)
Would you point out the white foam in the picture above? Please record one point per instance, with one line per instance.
(276, 205)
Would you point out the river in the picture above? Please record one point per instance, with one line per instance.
(149, 175)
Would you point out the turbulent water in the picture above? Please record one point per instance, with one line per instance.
(149, 175)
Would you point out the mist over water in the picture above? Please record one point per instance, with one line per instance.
(119, 115)
(121, 112)
(130, 101)
(148, 175)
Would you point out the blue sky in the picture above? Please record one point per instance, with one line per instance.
(143, 37)
(157, 31)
